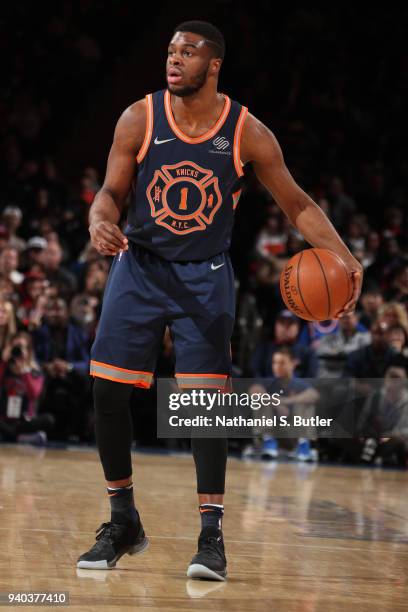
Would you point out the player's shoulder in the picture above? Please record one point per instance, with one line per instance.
(131, 124)
(135, 113)
(257, 140)
(253, 127)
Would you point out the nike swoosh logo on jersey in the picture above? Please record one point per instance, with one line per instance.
(157, 141)
(216, 267)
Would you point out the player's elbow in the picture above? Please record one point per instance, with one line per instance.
(299, 204)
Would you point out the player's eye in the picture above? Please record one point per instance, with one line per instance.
(187, 53)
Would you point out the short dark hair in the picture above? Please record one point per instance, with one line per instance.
(212, 35)
(287, 350)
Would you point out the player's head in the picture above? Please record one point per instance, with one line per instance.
(283, 362)
(195, 55)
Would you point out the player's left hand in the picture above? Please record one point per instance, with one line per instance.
(355, 271)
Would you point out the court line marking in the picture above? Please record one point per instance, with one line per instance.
(254, 542)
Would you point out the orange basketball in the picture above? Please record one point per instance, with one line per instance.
(315, 284)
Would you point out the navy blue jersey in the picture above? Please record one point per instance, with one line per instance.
(186, 189)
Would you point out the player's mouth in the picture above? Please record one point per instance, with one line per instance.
(174, 76)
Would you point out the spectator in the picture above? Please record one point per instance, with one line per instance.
(389, 260)
(62, 349)
(83, 312)
(371, 249)
(34, 253)
(294, 393)
(7, 292)
(355, 236)
(372, 360)
(7, 324)
(286, 332)
(294, 243)
(4, 237)
(383, 423)
(33, 298)
(271, 240)
(332, 349)
(59, 276)
(398, 339)
(44, 208)
(394, 314)
(9, 265)
(21, 383)
(312, 331)
(398, 291)
(88, 255)
(96, 277)
(381, 432)
(371, 301)
(11, 218)
(393, 222)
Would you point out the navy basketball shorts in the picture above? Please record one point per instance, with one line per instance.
(144, 294)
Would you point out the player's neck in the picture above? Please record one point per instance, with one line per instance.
(198, 107)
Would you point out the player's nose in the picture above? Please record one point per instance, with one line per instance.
(175, 60)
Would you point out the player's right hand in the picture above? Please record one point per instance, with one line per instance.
(107, 238)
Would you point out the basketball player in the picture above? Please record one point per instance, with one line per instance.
(187, 145)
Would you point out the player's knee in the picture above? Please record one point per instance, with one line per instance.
(110, 396)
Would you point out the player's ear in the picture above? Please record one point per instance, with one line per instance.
(215, 65)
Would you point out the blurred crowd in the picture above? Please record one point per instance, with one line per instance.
(340, 124)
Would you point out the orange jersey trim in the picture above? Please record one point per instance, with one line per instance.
(237, 140)
(202, 375)
(108, 365)
(139, 383)
(201, 386)
(209, 134)
(149, 129)
(235, 199)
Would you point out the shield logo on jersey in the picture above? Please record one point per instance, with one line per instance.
(184, 197)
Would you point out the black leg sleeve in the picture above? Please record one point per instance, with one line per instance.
(113, 427)
(210, 457)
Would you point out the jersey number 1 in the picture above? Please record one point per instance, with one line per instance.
(183, 198)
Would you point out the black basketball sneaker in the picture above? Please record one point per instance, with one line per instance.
(114, 540)
(209, 562)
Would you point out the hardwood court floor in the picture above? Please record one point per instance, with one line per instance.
(298, 537)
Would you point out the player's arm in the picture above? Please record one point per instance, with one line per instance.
(107, 206)
(260, 147)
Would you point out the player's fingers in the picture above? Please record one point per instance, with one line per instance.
(107, 237)
(113, 230)
(118, 234)
(105, 249)
(356, 279)
(345, 311)
(108, 252)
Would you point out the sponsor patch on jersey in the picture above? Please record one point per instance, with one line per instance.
(221, 146)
